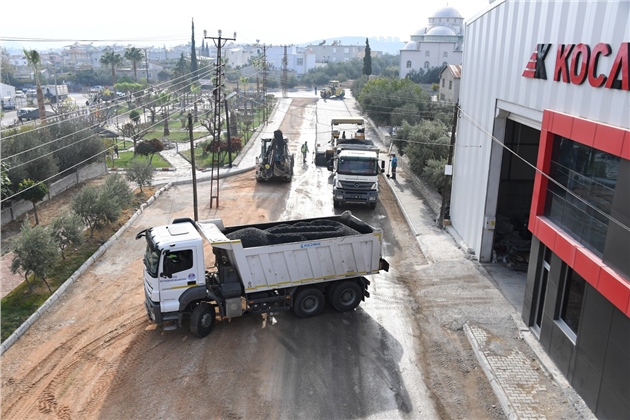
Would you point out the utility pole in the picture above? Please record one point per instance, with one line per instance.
(219, 42)
(446, 194)
(285, 73)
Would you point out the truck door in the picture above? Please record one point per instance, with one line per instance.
(178, 274)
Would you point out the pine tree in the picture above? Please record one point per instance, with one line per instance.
(367, 60)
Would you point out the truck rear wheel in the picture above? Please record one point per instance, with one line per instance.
(346, 296)
(308, 303)
(202, 319)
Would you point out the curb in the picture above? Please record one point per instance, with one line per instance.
(6, 344)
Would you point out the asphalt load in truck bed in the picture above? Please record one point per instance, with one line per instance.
(297, 232)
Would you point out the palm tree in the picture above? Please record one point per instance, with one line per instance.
(35, 61)
(134, 55)
(113, 59)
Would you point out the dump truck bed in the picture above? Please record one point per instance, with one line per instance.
(284, 254)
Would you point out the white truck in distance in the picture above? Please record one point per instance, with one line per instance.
(257, 269)
(55, 92)
(353, 159)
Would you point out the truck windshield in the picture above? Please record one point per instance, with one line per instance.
(151, 257)
(350, 166)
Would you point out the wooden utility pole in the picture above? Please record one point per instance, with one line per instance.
(285, 73)
(446, 194)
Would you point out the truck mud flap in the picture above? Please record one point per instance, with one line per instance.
(364, 283)
(383, 265)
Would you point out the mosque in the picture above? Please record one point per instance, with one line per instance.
(440, 43)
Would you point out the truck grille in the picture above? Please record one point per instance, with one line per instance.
(356, 186)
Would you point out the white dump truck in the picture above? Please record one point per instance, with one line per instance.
(354, 161)
(257, 269)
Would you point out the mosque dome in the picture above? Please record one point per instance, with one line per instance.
(447, 12)
(441, 31)
(421, 31)
(411, 45)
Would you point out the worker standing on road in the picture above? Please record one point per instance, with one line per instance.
(394, 165)
(304, 151)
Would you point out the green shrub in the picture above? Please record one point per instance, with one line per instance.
(433, 173)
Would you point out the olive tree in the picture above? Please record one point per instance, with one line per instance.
(34, 252)
(67, 230)
(34, 192)
(140, 173)
(95, 207)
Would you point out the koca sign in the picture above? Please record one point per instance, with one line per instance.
(577, 63)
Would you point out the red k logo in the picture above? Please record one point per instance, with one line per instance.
(535, 68)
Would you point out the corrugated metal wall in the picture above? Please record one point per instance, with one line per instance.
(498, 46)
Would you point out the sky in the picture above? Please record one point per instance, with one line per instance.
(273, 22)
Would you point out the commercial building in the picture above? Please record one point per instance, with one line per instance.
(542, 174)
(438, 44)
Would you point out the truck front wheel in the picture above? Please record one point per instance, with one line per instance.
(346, 296)
(308, 303)
(202, 319)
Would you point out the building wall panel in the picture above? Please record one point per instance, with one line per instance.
(498, 46)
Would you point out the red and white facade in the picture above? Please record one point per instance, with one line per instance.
(543, 140)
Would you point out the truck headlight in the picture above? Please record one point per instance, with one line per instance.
(339, 197)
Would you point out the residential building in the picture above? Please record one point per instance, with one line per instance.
(440, 43)
(450, 78)
(335, 52)
(541, 169)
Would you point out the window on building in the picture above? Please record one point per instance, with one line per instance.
(427, 54)
(541, 290)
(334, 50)
(300, 61)
(450, 85)
(582, 198)
(426, 64)
(409, 64)
(571, 306)
(443, 82)
(445, 55)
(346, 50)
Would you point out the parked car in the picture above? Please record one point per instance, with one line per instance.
(31, 93)
(31, 114)
(96, 88)
(19, 94)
